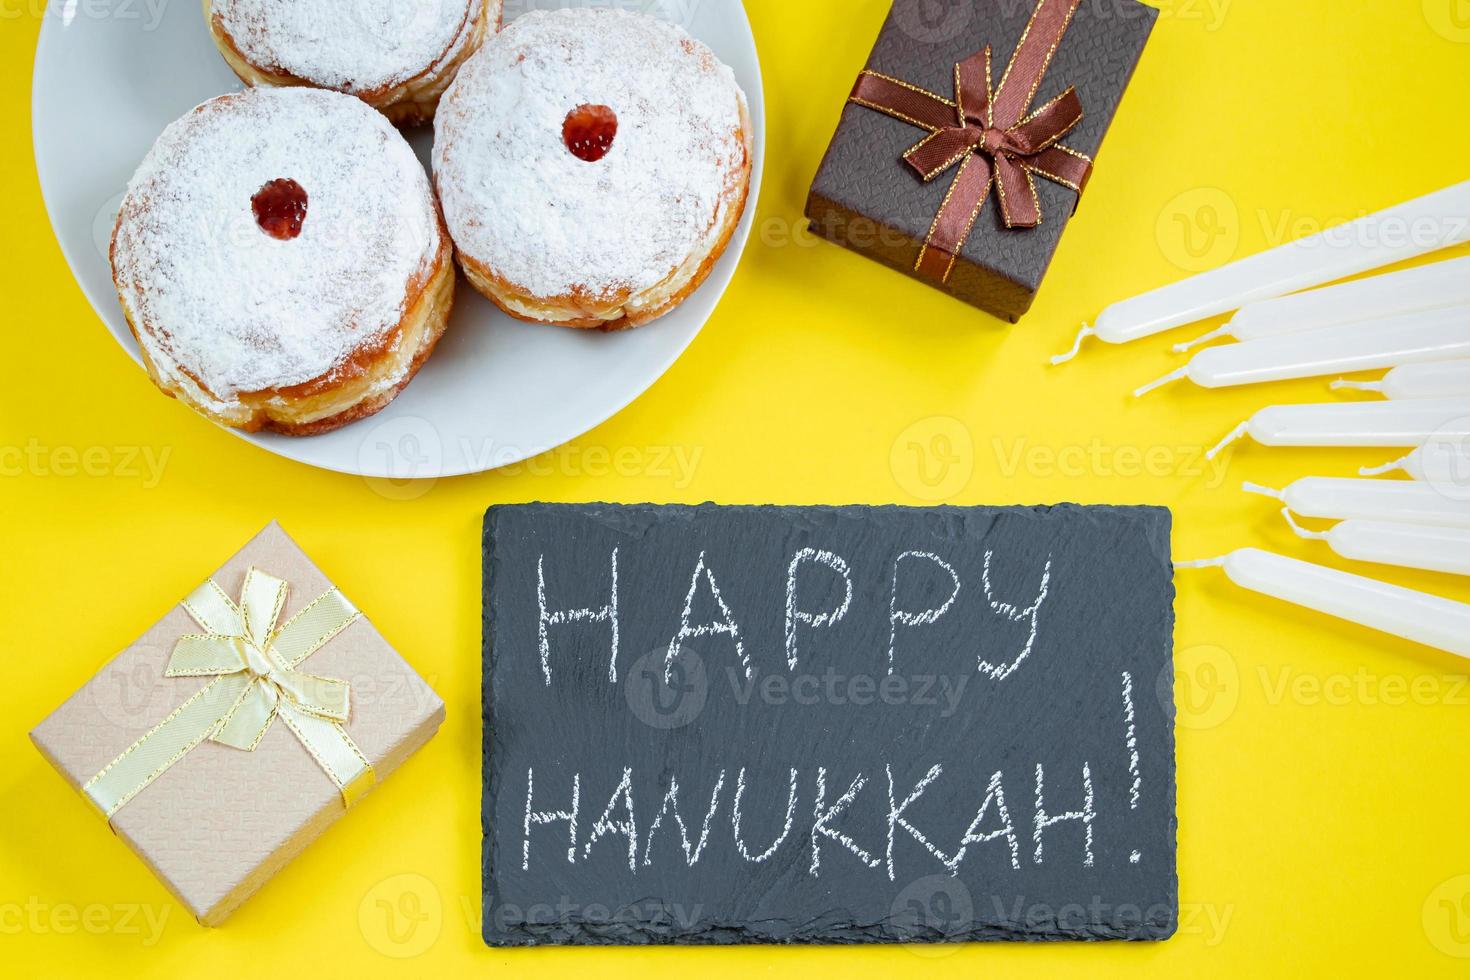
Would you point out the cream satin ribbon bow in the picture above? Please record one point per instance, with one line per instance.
(253, 664)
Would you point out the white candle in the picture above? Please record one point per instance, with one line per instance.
(1444, 379)
(1415, 616)
(1408, 424)
(1433, 549)
(1441, 463)
(1406, 231)
(1394, 501)
(1432, 335)
(1426, 287)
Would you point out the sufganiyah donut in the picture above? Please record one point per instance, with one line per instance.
(282, 262)
(593, 165)
(398, 56)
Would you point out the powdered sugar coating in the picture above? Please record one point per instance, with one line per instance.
(214, 298)
(353, 46)
(517, 201)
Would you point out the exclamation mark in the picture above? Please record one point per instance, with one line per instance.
(1136, 788)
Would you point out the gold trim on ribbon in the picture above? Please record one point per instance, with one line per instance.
(252, 663)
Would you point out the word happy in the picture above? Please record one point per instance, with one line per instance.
(808, 568)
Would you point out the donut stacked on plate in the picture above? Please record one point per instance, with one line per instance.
(396, 55)
(281, 255)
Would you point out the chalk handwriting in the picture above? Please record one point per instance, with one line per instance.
(726, 624)
(795, 616)
(548, 619)
(671, 805)
(823, 817)
(785, 830)
(1015, 615)
(1086, 815)
(992, 823)
(799, 619)
(628, 828)
(897, 616)
(544, 817)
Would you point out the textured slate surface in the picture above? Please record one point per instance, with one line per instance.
(863, 196)
(756, 787)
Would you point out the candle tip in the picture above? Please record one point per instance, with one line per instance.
(1259, 490)
(1207, 563)
(1302, 532)
(1167, 379)
(1190, 345)
(1385, 468)
(1342, 384)
(1082, 335)
(1235, 436)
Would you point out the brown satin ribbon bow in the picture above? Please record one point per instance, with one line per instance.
(989, 134)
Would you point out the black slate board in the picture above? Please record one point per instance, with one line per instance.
(975, 711)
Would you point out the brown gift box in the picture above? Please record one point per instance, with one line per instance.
(221, 821)
(867, 199)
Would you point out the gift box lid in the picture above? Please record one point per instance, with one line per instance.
(221, 821)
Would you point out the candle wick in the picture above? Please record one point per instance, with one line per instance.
(1302, 532)
(1385, 468)
(1256, 488)
(1342, 384)
(1207, 563)
(1215, 334)
(1235, 436)
(1167, 379)
(1082, 335)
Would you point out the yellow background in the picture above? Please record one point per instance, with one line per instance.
(1322, 768)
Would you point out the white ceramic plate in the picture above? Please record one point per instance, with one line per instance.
(110, 77)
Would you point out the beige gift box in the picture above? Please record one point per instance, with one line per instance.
(219, 822)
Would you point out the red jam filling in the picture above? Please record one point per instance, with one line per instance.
(280, 209)
(589, 132)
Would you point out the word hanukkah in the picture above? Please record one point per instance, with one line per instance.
(619, 823)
